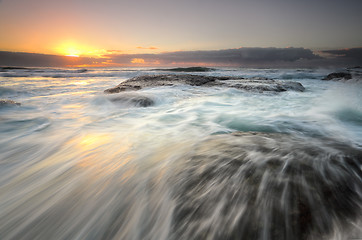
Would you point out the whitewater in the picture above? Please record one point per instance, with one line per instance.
(198, 163)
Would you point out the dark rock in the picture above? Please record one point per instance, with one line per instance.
(339, 75)
(259, 85)
(295, 86)
(15, 68)
(133, 99)
(248, 185)
(6, 102)
(260, 78)
(227, 78)
(195, 80)
(122, 89)
(83, 70)
(267, 85)
(187, 69)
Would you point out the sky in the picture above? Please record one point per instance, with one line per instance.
(116, 28)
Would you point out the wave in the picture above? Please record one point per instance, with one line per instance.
(301, 75)
(132, 100)
(15, 128)
(267, 186)
(349, 115)
(7, 91)
(341, 100)
(15, 75)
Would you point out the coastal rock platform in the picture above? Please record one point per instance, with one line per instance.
(251, 84)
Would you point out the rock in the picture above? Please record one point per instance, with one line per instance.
(259, 85)
(6, 102)
(267, 85)
(133, 99)
(121, 89)
(83, 70)
(295, 86)
(187, 69)
(339, 75)
(247, 185)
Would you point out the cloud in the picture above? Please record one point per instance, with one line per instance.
(43, 60)
(147, 48)
(240, 57)
(347, 54)
(227, 57)
(112, 51)
(138, 60)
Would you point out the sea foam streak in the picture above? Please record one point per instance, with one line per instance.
(198, 163)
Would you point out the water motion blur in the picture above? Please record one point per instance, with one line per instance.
(179, 161)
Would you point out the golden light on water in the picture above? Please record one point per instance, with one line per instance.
(100, 157)
(91, 141)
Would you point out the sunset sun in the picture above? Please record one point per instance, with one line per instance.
(72, 49)
(72, 52)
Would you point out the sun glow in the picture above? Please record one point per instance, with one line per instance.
(72, 49)
(71, 52)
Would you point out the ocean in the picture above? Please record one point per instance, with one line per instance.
(199, 162)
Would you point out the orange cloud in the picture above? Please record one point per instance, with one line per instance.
(148, 48)
(138, 60)
(114, 51)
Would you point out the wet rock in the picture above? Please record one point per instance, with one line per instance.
(187, 69)
(130, 99)
(119, 89)
(259, 85)
(140, 82)
(267, 85)
(7, 102)
(338, 75)
(267, 186)
(83, 70)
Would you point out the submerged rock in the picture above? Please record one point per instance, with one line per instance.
(267, 186)
(121, 89)
(259, 85)
(131, 99)
(338, 75)
(7, 102)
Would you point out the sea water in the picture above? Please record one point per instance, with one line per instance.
(201, 163)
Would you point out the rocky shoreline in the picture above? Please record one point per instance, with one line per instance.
(251, 84)
(347, 75)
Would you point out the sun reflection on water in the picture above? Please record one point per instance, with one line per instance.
(102, 157)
